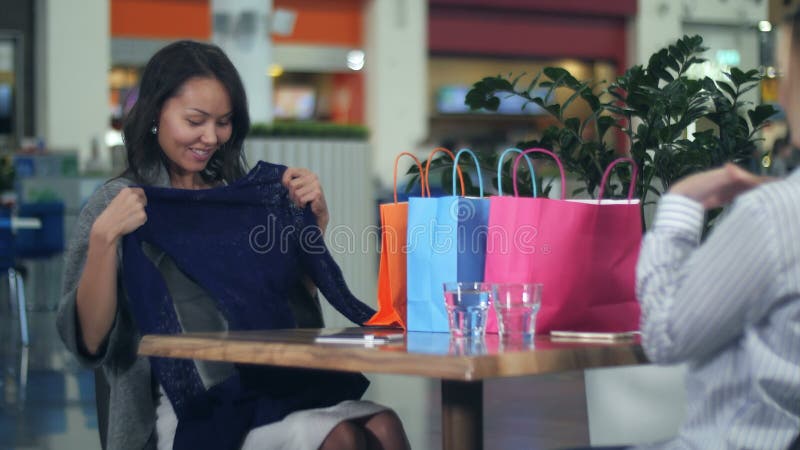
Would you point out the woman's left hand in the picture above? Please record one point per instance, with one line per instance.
(304, 189)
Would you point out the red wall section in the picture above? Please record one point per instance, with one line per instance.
(583, 29)
(584, 7)
(507, 34)
(161, 19)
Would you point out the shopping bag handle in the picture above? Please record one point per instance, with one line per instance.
(477, 166)
(426, 184)
(607, 175)
(419, 166)
(546, 152)
(500, 170)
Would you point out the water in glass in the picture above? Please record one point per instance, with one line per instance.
(467, 309)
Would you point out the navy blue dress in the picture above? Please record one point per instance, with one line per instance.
(247, 246)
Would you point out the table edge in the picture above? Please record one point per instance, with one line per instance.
(374, 360)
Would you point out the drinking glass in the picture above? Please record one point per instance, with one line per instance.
(516, 305)
(467, 305)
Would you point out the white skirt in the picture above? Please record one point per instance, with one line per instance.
(300, 430)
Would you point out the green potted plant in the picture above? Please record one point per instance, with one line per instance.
(652, 105)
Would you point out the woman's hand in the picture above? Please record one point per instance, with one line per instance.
(96, 296)
(304, 188)
(123, 215)
(717, 187)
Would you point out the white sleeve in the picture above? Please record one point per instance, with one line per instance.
(695, 298)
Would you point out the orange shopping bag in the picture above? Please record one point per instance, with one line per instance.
(392, 269)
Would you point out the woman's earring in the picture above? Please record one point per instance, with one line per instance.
(154, 130)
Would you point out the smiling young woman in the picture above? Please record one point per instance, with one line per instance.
(186, 131)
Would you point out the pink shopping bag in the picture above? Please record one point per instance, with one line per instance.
(491, 318)
(584, 252)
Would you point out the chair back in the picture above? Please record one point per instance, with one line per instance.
(7, 246)
(49, 239)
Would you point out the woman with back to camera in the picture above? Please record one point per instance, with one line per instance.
(729, 307)
(186, 132)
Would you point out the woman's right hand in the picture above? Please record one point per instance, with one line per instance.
(96, 296)
(123, 215)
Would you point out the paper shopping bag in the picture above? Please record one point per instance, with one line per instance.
(491, 318)
(583, 252)
(392, 267)
(446, 242)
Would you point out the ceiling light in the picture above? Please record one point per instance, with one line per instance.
(355, 59)
(275, 70)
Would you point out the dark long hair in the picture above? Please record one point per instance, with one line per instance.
(164, 75)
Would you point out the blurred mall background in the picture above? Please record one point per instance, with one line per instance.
(393, 75)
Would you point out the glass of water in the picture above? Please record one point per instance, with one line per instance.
(516, 305)
(467, 305)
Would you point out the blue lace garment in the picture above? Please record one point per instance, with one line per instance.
(246, 245)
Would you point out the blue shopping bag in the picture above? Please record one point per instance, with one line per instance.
(446, 241)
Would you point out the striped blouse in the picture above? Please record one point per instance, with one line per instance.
(731, 309)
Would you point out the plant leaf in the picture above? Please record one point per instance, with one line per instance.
(561, 76)
(663, 74)
(738, 77)
(730, 90)
(593, 100)
(554, 109)
(761, 113)
(573, 123)
(604, 123)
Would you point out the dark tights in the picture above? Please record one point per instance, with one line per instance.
(382, 431)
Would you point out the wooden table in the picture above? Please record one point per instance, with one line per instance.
(461, 365)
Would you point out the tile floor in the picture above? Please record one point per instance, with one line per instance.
(56, 408)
